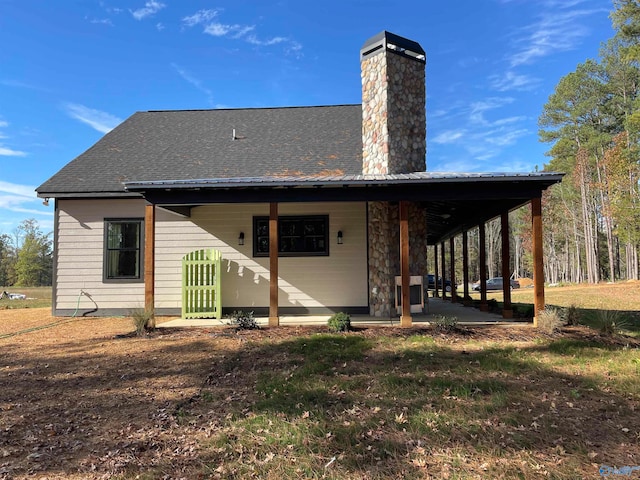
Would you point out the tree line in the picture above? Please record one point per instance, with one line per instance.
(26, 256)
(592, 122)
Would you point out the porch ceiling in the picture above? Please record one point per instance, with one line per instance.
(454, 201)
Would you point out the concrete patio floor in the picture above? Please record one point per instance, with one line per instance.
(437, 307)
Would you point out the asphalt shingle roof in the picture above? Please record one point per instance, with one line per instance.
(197, 144)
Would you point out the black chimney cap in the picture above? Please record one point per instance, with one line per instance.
(393, 43)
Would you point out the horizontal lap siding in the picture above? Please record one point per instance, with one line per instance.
(337, 280)
(80, 255)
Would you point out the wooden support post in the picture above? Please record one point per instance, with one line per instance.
(538, 259)
(452, 268)
(435, 275)
(465, 269)
(274, 319)
(405, 319)
(444, 269)
(482, 257)
(507, 309)
(149, 260)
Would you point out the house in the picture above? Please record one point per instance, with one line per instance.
(313, 209)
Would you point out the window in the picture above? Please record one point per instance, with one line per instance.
(123, 249)
(297, 236)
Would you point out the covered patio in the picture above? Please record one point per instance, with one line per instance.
(453, 202)
(437, 307)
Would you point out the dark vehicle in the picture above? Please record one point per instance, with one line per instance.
(431, 285)
(496, 284)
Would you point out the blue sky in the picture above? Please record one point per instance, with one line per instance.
(70, 70)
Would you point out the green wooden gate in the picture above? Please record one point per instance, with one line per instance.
(201, 284)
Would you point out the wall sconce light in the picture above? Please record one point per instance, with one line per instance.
(241, 238)
(339, 237)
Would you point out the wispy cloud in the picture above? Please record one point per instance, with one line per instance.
(450, 136)
(480, 131)
(150, 8)
(20, 199)
(201, 16)
(6, 151)
(96, 119)
(557, 30)
(237, 31)
(100, 21)
(233, 31)
(513, 81)
(17, 189)
(193, 81)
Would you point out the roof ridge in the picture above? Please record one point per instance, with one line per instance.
(252, 108)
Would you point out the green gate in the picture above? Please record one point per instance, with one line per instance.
(201, 284)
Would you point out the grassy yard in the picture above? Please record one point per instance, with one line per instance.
(37, 297)
(594, 303)
(86, 399)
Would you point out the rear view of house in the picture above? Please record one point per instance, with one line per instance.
(308, 209)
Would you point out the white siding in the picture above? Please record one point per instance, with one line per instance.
(337, 280)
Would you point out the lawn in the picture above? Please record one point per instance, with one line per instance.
(85, 399)
(36, 297)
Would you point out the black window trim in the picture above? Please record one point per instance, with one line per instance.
(105, 277)
(258, 218)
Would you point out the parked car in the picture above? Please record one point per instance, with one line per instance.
(431, 284)
(496, 284)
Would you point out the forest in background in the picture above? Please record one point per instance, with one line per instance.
(26, 256)
(591, 220)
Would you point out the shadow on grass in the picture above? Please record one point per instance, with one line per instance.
(382, 406)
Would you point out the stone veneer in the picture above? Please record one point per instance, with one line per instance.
(393, 114)
(394, 141)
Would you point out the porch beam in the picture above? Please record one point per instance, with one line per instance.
(274, 319)
(465, 268)
(452, 269)
(482, 258)
(538, 259)
(149, 258)
(405, 319)
(507, 309)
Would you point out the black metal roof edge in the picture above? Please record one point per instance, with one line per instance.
(338, 181)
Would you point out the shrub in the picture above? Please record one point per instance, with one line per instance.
(571, 315)
(610, 322)
(549, 320)
(143, 320)
(244, 321)
(445, 323)
(340, 322)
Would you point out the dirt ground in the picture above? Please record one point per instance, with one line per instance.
(84, 398)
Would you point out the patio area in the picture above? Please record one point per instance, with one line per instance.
(436, 308)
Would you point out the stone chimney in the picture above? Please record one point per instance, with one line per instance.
(393, 141)
(393, 105)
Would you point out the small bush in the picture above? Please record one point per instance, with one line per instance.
(244, 321)
(571, 315)
(143, 320)
(340, 322)
(550, 321)
(444, 323)
(610, 322)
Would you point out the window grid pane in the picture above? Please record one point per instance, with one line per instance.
(297, 236)
(123, 249)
